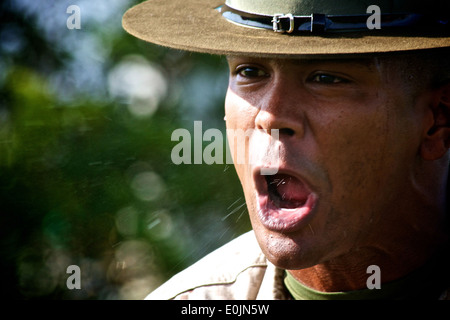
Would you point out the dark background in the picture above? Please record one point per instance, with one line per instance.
(86, 177)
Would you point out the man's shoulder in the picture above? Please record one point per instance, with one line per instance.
(233, 271)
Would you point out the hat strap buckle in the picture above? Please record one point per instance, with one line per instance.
(277, 22)
(319, 23)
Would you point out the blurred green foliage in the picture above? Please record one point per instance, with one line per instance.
(85, 168)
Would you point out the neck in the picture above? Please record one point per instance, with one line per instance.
(351, 271)
(397, 253)
(405, 239)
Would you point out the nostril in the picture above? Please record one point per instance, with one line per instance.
(287, 131)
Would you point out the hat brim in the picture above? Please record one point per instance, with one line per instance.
(195, 25)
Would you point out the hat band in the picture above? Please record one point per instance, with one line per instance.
(318, 23)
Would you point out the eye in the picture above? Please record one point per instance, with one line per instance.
(251, 72)
(325, 78)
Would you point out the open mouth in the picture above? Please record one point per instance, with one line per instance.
(286, 192)
(285, 202)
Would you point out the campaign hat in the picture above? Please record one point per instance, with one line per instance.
(291, 27)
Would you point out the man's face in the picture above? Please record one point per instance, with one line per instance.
(349, 135)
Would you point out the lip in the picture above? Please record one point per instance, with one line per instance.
(283, 220)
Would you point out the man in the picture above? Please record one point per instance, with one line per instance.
(359, 94)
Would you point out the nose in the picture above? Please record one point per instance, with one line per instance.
(280, 108)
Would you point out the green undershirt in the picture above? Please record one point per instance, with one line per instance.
(418, 285)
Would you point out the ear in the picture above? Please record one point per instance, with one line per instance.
(437, 139)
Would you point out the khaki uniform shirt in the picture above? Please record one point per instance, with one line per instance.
(237, 271)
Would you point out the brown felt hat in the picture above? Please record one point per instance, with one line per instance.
(291, 27)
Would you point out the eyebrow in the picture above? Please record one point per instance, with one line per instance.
(368, 63)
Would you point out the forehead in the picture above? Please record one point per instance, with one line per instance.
(370, 63)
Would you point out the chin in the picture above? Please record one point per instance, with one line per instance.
(291, 252)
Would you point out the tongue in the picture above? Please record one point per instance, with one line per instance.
(290, 188)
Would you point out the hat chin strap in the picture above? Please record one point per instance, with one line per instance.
(319, 23)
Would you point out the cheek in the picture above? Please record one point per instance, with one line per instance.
(239, 113)
(239, 117)
(365, 156)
